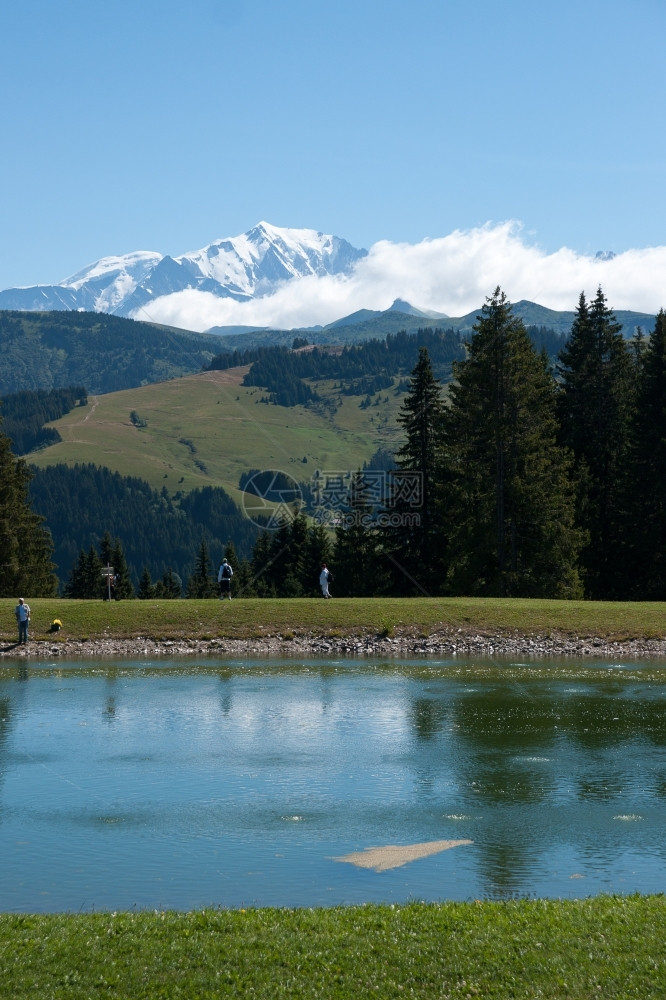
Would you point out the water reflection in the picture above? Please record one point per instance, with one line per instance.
(230, 783)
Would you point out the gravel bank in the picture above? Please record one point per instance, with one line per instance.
(437, 645)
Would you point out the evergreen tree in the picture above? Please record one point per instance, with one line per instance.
(595, 409)
(123, 586)
(415, 543)
(260, 566)
(201, 583)
(108, 589)
(296, 577)
(169, 586)
(510, 503)
(76, 585)
(318, 550)
(357, 546)
(106, 550)
(146, 589)
(284, 570)
(646, 479)
(26, 548)
(94, 584)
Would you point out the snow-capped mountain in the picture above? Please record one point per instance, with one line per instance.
(239, 267)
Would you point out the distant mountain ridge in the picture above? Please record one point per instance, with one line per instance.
(238, 267)
(254, 265)
(368, 323)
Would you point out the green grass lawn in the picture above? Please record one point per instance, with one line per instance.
(255, 617)
(606, 947)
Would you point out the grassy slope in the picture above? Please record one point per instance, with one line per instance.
(610, 947)
(231, 429)
(254, 617)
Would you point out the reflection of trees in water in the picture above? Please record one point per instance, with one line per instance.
(607, 721)
(522, 751)
(473, 751)
(506, 863)
(426, 717)
(226, 679)
(608, 715)
(507, 757)
(6, 726)
(499, 730)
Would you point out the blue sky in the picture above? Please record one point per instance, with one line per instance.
(162, 125)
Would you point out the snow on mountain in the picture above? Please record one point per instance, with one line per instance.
(239, 267)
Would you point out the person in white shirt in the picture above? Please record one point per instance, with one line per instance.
(324, 577)
(22, 612)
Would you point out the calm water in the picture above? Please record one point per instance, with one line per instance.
(217, 783)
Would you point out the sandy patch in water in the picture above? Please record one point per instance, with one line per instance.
(393, 856)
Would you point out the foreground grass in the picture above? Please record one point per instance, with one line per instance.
(610, 947)
(256, 618)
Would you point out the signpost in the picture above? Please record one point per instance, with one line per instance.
(109, 572)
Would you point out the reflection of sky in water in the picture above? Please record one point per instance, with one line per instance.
(174, 784)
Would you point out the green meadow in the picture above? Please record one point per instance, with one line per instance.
(207, 429)
(248, 618)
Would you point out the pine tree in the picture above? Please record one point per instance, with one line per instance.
(106, 550)
(509, 499)
(260, 565)
(146, 589)
(94, 584)
(414, 542)
(26, 548)
(123, 586)
(646, 479)
(318, 550)
(201, 583)
(108, 588)
(76, 586)
(169, 586)
(595, 407)
(357, 546)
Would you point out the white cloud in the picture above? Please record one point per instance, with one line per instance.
(452, 274)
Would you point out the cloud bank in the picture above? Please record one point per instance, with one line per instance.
(452, 274)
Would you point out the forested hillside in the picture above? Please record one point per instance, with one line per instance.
(81, 503)
(359, 369)
(24, 415)
(104, 353)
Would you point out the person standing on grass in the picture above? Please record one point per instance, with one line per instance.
(22, 612)
(224, 576)
(325, 577)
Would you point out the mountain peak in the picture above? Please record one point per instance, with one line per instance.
(238, 267)
(400, 305)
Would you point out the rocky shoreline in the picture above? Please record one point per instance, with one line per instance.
(442, 644)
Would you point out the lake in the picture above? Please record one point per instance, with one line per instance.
(179, 784)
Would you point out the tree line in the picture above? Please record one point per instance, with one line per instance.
(359, 369)
(25, 413)
(526, 476)
(534, 479)
(159, 533)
